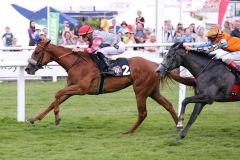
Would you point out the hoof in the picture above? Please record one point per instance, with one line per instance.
(127, 133)
(179, 128)
(30, 121)
(179, 138)
(57, 121)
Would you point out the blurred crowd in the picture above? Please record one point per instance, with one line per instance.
(130, 33)
(194, 33)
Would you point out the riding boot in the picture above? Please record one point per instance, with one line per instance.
(234, 66)
(95, 60)
(106, 62)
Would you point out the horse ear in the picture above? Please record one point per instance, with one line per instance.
(47, 43)
(177, 45)
(180, 45)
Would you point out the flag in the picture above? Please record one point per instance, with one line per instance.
(54, 27)
(222, 10)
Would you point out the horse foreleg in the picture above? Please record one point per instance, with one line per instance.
(142, 114)
(194, 99)
(57, 109)
(196, 111)
(64, 94)
(72, 90)
(47, 110)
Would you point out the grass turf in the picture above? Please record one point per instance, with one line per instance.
(91, 128)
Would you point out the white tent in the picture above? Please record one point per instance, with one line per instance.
(149, 13)
(17, 23)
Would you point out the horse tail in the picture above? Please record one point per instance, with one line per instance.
(189, 81)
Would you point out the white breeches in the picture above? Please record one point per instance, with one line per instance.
(108, 51)
(226, 57)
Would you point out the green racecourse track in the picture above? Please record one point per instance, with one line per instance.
(91, 128)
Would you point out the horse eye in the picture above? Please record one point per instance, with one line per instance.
(168, 56)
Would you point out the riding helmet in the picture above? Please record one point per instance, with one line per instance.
(214, 32)
(85, 29)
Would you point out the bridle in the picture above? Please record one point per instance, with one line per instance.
(75, 62)
(40, 54)
(165, 67)
(168, 70)
(37, 63)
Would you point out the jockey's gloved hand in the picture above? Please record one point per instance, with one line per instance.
(77, 49)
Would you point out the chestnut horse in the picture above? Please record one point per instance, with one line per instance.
(83, 78)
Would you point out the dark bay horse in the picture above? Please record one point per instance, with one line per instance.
(214, 80)
(83, 78)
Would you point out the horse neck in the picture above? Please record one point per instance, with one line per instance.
(195, 63)
(65, 61)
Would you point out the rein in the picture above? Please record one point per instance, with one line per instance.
(75, 62)
(204, 67)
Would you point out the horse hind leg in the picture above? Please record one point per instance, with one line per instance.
(165, 103)
(142, 114)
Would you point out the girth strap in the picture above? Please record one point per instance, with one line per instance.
(101, 83)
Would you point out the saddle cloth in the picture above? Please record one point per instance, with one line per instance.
(120, 67)
(236, 86)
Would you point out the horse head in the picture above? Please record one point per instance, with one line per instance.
(172, 60)
(39, 58)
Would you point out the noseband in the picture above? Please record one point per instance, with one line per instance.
(165, 67)
(40, 55)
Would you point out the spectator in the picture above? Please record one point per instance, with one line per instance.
(104, 25)
(74, 39)
(42, 36)
(37, 36)
(187, 37)
(193, 31)
(139, 33)
(147, 32)
(65, 27)
(123, 28)
(236, 31)
(201, 35)
(179, 25)
(66, 40)
(115, 26)
(31, 31)
(178, 35)
(8, 37)
(45, 32)
(111, 29)
(152, 39)
(168, 31)
(141, 40)
(139, 18)
(132, 38)
(126, 38)
(14, 44)
(226, 27)
(120, 35)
